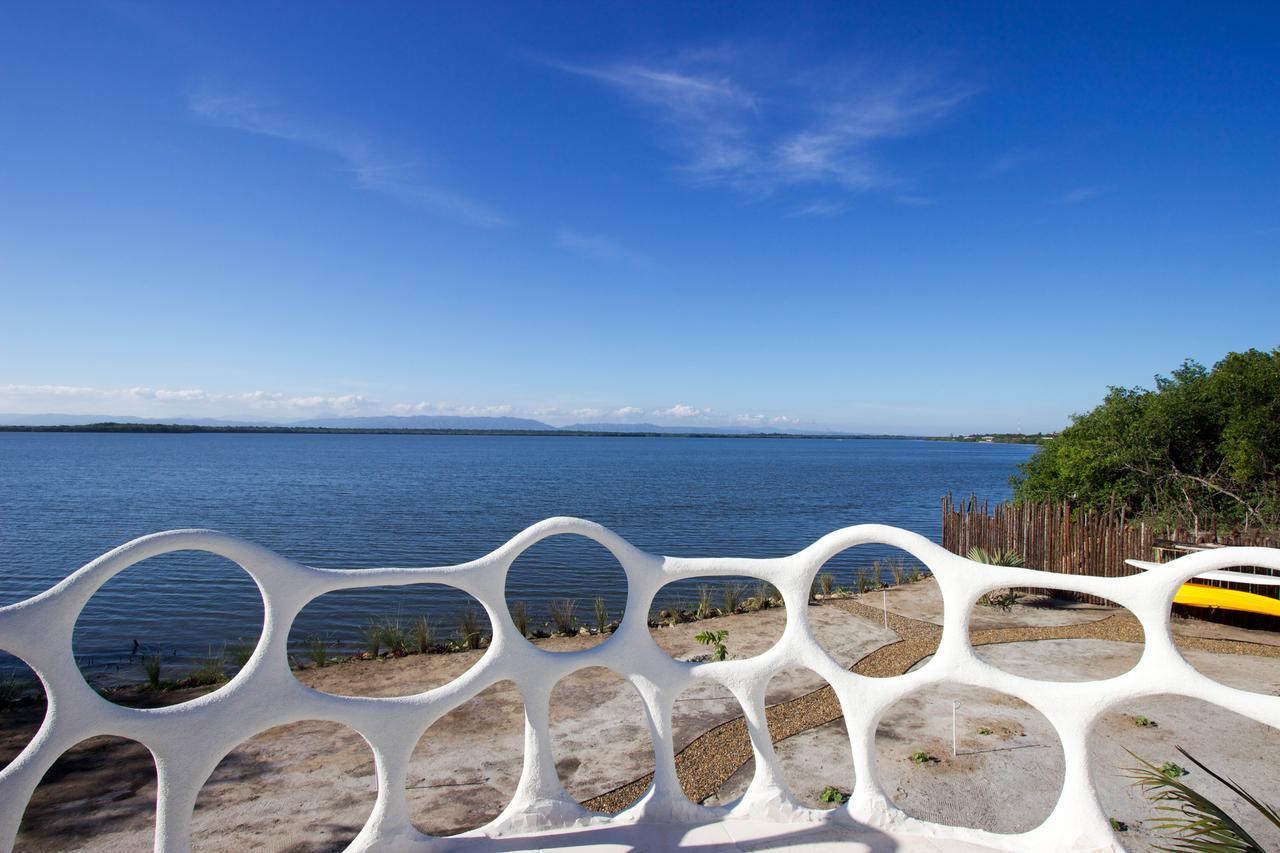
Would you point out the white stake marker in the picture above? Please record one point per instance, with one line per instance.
(885, 596)
(954, 741)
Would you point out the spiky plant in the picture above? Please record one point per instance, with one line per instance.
(732, 594)
(704, 609)
(520, 616)
(424, 634)
(602, 615)
(469, 627)
(995, 557)
(826, 581)
(563, 613)
(1199, 824)
(318, 649)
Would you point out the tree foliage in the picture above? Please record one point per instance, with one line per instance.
(1202, 447)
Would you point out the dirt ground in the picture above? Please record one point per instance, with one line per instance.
(310, 785)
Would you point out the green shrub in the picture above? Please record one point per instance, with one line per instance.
(602, 615)
(832, 794)
(922, 757)
(826, 581)
(1143, 722)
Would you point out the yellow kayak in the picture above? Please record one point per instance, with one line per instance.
(1199, 595)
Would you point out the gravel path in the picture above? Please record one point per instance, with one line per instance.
(709, 760)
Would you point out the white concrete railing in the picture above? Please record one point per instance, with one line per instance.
(265, 692)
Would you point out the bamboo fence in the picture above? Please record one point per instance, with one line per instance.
(1054, 537)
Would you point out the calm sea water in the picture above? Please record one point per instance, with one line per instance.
(370, 500)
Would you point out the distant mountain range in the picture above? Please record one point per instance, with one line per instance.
(726, 430)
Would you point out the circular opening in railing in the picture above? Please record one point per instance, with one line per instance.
(98, 795)
(308, 785)
(466, 766)
(1153, 729)
(711, 742)
(810, 742)
(1214, 622)
(885, 608)
(168, 628)
(1055, 635)
(22, 707)
(1004, 774)
(717, 618)
(600, 738)
(387, 640)
(566, 592)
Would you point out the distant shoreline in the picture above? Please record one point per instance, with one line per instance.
(115, 427)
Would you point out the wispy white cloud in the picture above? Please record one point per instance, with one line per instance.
(370, 167)
(821, 208)
(1080, 194)
(149, 402)
(734, 126)
(600, 248)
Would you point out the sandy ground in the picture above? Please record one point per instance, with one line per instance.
(310, 786)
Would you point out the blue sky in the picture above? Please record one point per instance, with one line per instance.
(902, 217)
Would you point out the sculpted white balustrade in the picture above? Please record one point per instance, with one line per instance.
(265, 693)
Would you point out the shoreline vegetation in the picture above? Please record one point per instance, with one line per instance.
(117, 427)
(395, 636)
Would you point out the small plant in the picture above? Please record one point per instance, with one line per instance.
(715, 639)
(520, 616)
(241, 652)
(1118, 825)
(704, 609)
(210, 669)
(832, 794)
(732, 595)
(318, 648)
(372, 634)
(914, 573)
(1173, 771)
(11, 689)
(983, 730)
(897, 569)
(602, 615)
(424, 635)
(826, 581)
(864, 583)
(1143, 722)
(1199, 824)
(151, 666)
(563, 615)
(922, 757)
(469, 627)
(1001, 599)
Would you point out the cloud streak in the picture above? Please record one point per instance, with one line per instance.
(370, 168)
(815, 127)
(142, 401)
(598, 247)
